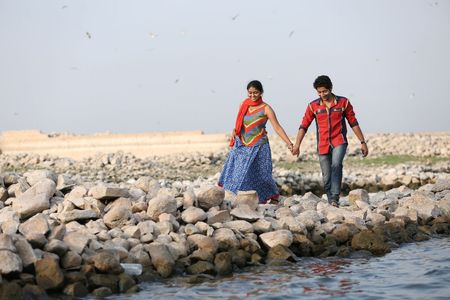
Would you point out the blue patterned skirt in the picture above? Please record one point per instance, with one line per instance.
(250, 168)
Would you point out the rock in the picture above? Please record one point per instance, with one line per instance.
(223, 263)
(161, 204)
(358, 195)
(106, 262)
(57, 247)
(38, 224)
(11, 290)
(424, 204)
(201, 267)
(441, 185)
(102, 292)
(244, 212)
(64, 182)
(219, 216)
(239, 225)
(162, 259)
(368, 240)
(35, 176)
(193, 215)
(71, 260)
(25, 251)
(34, 200)
(278, 237)
(76, 241)
(148, 185)
(11, 262)
(280, 252)
(309, 218)
(3, 194)
(76, 289)
(189, 199)
(126, 282)
(105, 280)
(262, 226)
(226, 239)
(77, 215)
(10, 227)
(118, 216)
(48, 273)
(102, 192)
(249, 198)
(211, 197)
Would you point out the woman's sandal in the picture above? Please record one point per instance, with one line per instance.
(273, 201)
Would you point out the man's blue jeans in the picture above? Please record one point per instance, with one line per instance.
(331, 165)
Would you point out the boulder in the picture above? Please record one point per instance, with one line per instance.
(106, 262)
(102, 192)
(193, 215)
(244, 212)
(161, 204)
(249, 198)
(368, 240)
(161, 258)
(278, 237)
(211, 197)
(358, 195)
(226, 239)
(48, 273)
(35, 200)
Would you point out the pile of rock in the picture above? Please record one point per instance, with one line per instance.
(62, 235)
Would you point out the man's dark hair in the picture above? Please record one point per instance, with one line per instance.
(255, 84)
(323, 81)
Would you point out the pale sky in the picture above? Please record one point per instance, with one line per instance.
(86, 66)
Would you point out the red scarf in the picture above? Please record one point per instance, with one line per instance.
(240, 117)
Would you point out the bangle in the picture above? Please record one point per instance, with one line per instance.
(363, 142)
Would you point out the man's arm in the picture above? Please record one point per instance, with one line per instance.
(306, 121)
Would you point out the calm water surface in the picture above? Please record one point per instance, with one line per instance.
(413, 271)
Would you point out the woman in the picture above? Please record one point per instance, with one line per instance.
(249, 163)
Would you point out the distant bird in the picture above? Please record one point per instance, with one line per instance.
(291, 33)
(64, 6)
(235, 17)
(16, 114)
(176, 80)
(88, 35)
(412, 95)
(213, 91)
(153, 35)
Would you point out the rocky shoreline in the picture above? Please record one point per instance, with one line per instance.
(66, 236)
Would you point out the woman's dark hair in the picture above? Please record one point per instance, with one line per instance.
(256, 84)
(323, 81)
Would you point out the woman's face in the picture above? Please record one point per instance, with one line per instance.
(324, 93)
(254, 94)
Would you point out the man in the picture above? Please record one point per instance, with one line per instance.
(330, 111)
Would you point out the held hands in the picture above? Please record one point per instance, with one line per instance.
(295, 150)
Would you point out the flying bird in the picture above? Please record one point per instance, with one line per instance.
(235, 17)
(88, 35)
(64, 6)
(291, 33)
(176, 80)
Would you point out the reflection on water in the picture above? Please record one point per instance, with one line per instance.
(413, 271)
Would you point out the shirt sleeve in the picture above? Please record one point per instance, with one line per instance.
(307, 118)
(350, 115)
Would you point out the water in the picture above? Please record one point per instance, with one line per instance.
(413, 271)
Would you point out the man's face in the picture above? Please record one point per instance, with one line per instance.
(324, 93)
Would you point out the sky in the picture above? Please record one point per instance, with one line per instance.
(87, 66)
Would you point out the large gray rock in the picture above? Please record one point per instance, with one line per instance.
(244, 212)
(161, 258)
(279, 237)
(161, 204)
(102, 192)
(76, 241)
(48, 273)
(226, 239)
(358, 195)
(11, 262)
(211, 197)
(25, 251)
(193, 215)
(239, 225)
(35, 176)
(249, 198)
(218, 216)
(106, 262)
(117, 216)
(56, 246)
(425, 205)
(38, 224)
(77, 215)
(35, 200)
(441, 185)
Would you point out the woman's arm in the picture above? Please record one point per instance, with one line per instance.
(277, 127)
